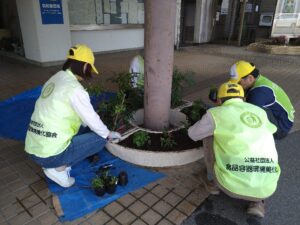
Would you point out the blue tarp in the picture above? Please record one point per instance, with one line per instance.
(80, 199)
(77, 201)
(15, 112)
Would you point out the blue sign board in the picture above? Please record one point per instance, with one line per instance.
(51, 12)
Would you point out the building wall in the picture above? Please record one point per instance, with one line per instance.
(110, 40)
(43, 42)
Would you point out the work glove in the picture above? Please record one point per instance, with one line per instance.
(114, 136)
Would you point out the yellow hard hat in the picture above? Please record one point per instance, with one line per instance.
(84, 54)
(230, 89)
(239, 70)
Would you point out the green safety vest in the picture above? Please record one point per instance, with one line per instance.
(280, 96)
(246, 158)
(53, 122)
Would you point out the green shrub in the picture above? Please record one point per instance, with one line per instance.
(141, 138)
(167, 141)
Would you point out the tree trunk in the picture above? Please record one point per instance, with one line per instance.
(160, 18)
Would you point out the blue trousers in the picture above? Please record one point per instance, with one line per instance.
(82, 146)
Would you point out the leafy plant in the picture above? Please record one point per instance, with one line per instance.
(94, 90)
(98, 182)
(195, 112)
(167, 141)
(178, 81)
(141, 138)
(114, 111)
(112, 180)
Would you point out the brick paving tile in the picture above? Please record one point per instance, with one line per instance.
(44, 194)
(34, 222)
(198, 196)
(6, 200)
(149, 199)
(138, 193)
(168, 182)
(138, 208)
(12, 210)
(182, 191)
(162, 207)
(113, 222)
(20, 219)
(151, 185)
(99, 218)
(138, 222)
(10, 178)
(39, 185)
(17, 185)
(48, 218)
(176, 217)
(165, 222)
(127, 200)
(30, 201)
(75, 222)
(172, 198)
(23, 193)
(6, 171)
(126, 217)
(160, 191)
(113, 209)
(186, 207)
(39, 209)
(151, 217)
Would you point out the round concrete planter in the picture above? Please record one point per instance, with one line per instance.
(155, 158)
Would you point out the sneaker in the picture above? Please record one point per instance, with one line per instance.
(257, 209)
(62, 178)
(210, 186)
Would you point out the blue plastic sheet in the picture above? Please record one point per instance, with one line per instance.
(80, 199)
(15, 112)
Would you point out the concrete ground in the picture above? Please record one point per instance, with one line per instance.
(25, 199)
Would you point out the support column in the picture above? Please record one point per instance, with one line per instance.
(43, 43)
(160, 19)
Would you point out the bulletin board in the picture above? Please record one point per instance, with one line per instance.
(106, 12)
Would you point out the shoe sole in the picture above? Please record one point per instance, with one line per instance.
(57, 181)
(255, 212)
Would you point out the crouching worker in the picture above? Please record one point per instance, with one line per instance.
(59, 112)
(240, 154)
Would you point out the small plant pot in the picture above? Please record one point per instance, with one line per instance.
(111, 189)
(99, 191)
(122, 178)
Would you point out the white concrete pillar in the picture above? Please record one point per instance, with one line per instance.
(43, 43)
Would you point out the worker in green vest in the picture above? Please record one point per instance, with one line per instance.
(239, 149)
(266, 94)
(62, 108)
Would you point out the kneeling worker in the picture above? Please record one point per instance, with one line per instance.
(240, 153)
(265, 93)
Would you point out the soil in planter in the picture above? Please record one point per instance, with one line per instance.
(180, 136)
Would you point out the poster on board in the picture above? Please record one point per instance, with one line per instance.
(51, 12)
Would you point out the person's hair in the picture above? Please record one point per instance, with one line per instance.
(77, 67)
(229, 97)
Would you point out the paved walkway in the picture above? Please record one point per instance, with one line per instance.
(24, 197)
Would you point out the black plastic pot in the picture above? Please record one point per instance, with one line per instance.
(99, 191)
(111, 189)
(122, 178)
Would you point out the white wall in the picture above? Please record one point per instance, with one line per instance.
(43, 42)
(109, 40)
